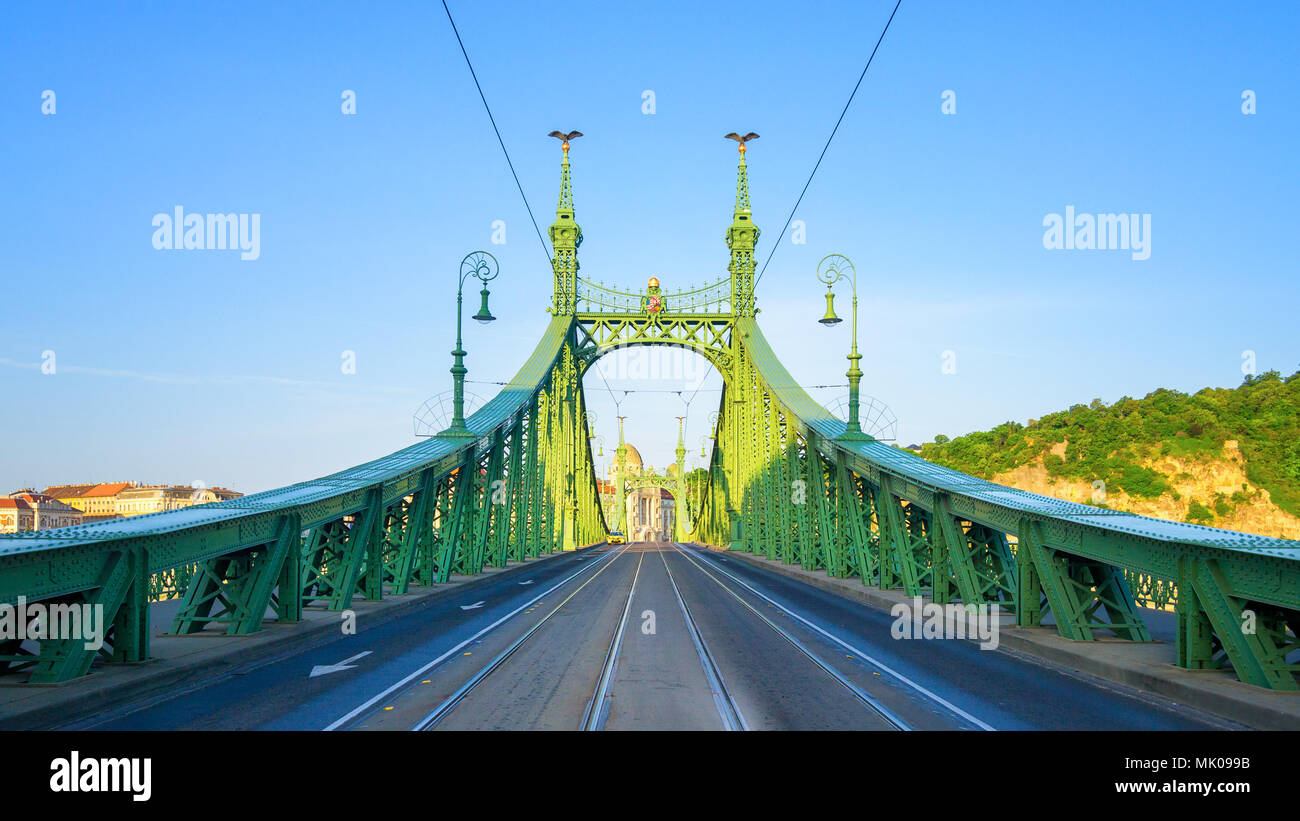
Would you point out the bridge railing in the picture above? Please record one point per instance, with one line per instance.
(713, 298)
(442, 506)
(898, 521)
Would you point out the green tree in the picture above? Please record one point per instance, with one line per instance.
(1112, 443)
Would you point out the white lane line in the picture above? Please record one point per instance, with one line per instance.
(345, 664)
(475, 606)
(935, 697)
(440, 659)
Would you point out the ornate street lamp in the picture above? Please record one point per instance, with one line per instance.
(482, 266)
(831, 270)
(589, 420)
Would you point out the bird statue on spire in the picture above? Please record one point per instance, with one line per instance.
(564, 138)
(742, 140)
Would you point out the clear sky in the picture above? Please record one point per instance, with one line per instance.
(176, 366)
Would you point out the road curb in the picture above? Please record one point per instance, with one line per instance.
(1148, 668)
(60, 704)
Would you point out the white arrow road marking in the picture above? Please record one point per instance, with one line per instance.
(345, 664)
(476, 605)
(530, 581)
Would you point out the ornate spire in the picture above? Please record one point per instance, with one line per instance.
(566, 186)
(742, 237)
(566, 236)
(742, 185)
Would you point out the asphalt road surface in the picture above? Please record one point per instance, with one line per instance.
(646, 637)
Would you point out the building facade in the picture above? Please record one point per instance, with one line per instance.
(111, 500)
(28, 510)
(137, 501)
(650, 514)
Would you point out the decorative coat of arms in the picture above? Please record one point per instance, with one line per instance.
(652, 302)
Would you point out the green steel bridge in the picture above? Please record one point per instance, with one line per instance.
(871, 511)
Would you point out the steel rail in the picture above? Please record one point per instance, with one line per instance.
(445, 709)
(597, 713)
(728, 710)
(873, 704)
(404, 684)
(857, 653)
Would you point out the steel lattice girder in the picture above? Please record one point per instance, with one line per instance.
(885, 514)
(707, 334)
(1071, 559)
(873, 511)
(241, 583)
(1212, 621)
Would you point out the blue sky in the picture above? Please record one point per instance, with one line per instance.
(175, 366)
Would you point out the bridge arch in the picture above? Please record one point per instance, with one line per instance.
(699, 320)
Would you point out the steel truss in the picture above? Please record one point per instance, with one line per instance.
(786, 481)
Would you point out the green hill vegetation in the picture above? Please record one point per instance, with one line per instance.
(1113, 443)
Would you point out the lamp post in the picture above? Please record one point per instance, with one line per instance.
(595, 441)
(482, 266)
(831, 270)
(620, 479)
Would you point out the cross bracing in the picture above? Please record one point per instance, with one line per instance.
(785, 481)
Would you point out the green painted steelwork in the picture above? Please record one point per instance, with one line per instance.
(784, 481)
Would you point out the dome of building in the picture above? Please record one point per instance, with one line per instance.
(672, 470)
(633, 458)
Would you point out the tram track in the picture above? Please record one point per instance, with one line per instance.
(603, 661)
(371, 706)
(597, 712)
(728, 710)
(432, 719)
(917, 689)
(874, 705)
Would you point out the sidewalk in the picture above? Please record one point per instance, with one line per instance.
(1148, 667)
(180, 660)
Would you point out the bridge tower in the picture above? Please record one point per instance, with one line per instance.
(566, 236)
(741, 237)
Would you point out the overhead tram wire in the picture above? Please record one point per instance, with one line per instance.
(497, 131)
(546, 251)
(701, 387)
(794, 210)
(617, 403)
(488, 108)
